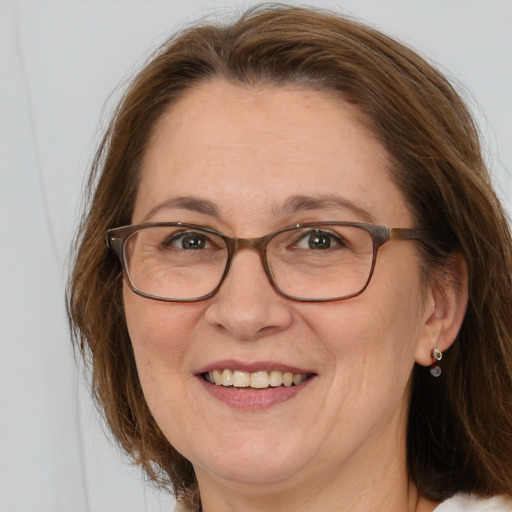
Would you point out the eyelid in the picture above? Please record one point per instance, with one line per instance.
(301, 235)
(179, 234)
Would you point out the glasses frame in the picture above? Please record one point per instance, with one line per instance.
(117, 237)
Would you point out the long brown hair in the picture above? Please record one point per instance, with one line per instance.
(460, 425)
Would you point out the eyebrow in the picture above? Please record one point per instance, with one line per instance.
(292, 205)
(190, 203)
(300, 203)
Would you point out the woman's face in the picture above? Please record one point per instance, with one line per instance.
(242, 157)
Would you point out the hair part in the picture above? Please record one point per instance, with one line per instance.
(460, 425)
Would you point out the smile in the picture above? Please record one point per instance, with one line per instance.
(255, 380)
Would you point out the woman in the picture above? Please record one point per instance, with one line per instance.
(249, 349)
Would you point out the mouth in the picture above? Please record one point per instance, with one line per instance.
(254, 380)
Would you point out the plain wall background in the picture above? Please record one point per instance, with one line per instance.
(59, 61)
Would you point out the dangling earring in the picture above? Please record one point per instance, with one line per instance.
(435, 369)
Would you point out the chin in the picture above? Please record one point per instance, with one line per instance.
(253, 462)
(260, 472)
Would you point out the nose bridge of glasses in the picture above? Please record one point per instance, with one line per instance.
(248, 243)
(257, 244)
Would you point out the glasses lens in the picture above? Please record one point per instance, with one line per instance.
(175, 262)
(321, 262)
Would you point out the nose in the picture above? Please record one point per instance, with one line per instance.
(247, 306)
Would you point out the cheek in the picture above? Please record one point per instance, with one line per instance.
(156, 326)
(370, 327)
(372, 338)
(160, 336)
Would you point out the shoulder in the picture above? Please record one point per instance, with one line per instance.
(469, 503)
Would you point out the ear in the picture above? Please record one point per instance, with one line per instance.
(444, 309)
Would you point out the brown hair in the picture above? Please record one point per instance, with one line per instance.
(460, 425)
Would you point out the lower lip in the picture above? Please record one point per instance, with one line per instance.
(253, 399)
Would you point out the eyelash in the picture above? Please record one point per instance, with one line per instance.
(176, 237)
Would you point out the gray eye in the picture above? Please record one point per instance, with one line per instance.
(318, 240)
(193, 241)
(187, 241)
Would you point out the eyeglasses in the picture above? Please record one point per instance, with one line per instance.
(312, 262)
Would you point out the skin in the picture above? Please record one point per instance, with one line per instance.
(338, 444)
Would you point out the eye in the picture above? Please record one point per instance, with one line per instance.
(319, 240)
(187, 241)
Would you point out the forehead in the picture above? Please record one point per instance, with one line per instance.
(249, 150)
(239, 116)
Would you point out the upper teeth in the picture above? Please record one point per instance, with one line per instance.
(258, 380)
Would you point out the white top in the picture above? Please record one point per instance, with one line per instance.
(458, 503)
(467, 503)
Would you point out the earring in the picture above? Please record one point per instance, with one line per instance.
(435, 369)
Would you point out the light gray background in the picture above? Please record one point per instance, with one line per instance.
(59, 61)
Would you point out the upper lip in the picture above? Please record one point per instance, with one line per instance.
(252, 366)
